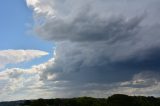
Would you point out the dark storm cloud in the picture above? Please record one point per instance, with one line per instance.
(89, 27)
(104, 62)
(94, 47)
(151, 61)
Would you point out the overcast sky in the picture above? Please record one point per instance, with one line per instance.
(72, 48)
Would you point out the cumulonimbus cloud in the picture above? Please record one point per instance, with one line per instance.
(103, 47)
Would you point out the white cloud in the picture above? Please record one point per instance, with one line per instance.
(144, 83)
(143, 80)
(42, 7)
(19, 56)
(14, 81)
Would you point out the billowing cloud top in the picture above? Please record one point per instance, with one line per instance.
(43, 7)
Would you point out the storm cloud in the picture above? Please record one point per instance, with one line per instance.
(102, 47)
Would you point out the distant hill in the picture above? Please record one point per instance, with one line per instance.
(114, 100)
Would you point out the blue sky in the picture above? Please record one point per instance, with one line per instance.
(16, 23)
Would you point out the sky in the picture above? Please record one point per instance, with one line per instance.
(68, 48)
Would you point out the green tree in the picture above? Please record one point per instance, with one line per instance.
(39, 102)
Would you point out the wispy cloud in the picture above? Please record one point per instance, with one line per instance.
(19, 56)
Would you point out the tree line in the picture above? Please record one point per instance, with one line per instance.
(114, 100)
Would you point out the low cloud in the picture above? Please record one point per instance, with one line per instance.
(143, 80)
(19, 83)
